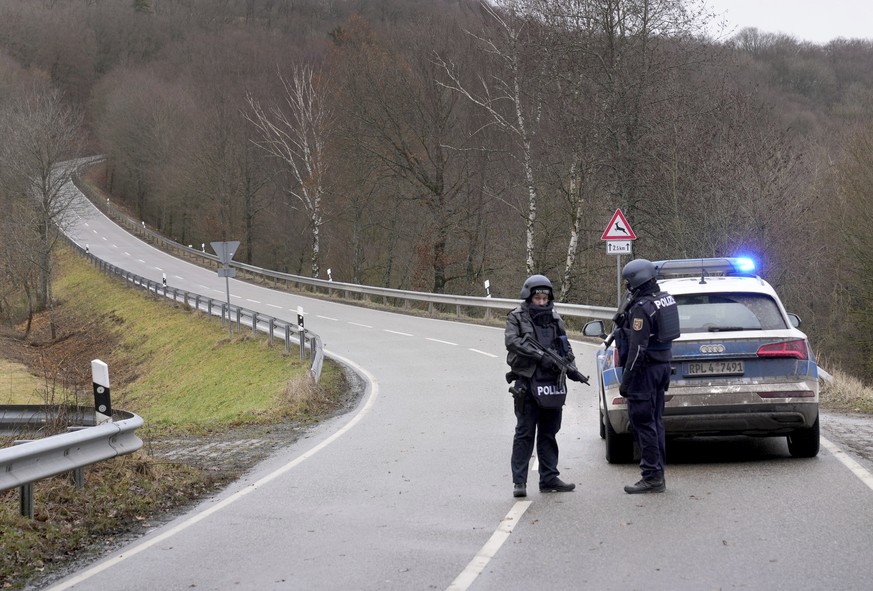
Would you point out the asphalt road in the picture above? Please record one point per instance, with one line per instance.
(412, 489)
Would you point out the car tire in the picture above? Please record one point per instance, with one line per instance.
(804, 443)
(619, 446)
(602, 425)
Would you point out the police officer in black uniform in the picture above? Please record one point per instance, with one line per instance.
(538, 417)
(644, 339)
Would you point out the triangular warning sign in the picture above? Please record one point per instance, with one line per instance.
(618, 228)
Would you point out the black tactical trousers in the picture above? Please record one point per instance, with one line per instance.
(645, 406)
(535, 423)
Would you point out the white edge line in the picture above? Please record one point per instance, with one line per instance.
(482, 352)
(443, 342)
(146, 544)
(849, 463)
(463, 581)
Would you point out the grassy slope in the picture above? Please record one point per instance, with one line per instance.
(177, 369)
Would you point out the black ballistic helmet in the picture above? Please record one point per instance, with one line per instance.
(532, 283)
(638, 272)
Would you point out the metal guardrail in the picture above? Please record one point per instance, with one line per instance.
(33, 460)
(396, 297)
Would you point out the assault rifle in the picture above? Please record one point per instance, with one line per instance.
(567, 367)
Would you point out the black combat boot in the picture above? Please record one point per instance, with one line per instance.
(557, 485)
(646, 486)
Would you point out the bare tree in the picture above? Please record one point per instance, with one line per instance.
(418, 133)
(511, 96)
(297, 134)
(41, 134)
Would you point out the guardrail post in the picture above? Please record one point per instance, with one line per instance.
(254, 324)
(238, 319)
(287, 339)
(302, 334)
(271, 326)
(25, 495)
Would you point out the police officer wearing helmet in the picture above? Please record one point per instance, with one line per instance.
(539, 386)
(645, 335)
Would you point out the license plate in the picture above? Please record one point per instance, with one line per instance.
(715, 368)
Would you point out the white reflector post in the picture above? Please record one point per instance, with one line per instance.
(102, 404)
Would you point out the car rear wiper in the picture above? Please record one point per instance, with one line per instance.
(729, 328)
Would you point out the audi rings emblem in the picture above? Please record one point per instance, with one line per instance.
(712, 348)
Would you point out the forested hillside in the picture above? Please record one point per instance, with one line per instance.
(436, 144)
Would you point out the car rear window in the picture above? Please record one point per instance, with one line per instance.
(717, 312)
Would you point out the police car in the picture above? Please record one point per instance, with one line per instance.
(740, 366)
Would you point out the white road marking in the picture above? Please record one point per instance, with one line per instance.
(443, 342)
(463, 581)
(275, 306)
(374, 393)
(361, 325)
(140, 261)
(126, 253)
(326, 318)
(159, 269)
(177, 277)
(403, 334)
(482, 352)
(856, 468)
(253, 301)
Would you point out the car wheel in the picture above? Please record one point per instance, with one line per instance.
(602, 425)
(619, 446)
(804, 443)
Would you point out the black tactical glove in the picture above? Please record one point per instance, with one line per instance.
(549, 364)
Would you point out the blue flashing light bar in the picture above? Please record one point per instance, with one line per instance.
(705, 267)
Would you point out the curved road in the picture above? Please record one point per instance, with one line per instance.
(412, 489)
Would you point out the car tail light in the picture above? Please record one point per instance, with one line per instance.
(796, 349)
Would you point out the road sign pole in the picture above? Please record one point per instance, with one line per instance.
(227, 290)
(225, 252)
(618, 281)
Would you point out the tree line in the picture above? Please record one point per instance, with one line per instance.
(434, 145)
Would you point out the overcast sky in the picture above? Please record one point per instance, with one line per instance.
(818, 21)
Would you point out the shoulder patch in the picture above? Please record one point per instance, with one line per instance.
(638, 323)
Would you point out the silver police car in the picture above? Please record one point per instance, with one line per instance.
(740, 366)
